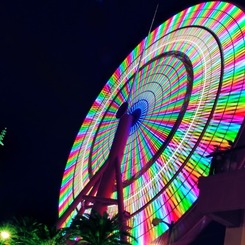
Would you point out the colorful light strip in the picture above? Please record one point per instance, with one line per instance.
(179, 120)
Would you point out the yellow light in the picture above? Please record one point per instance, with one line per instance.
(5, 235)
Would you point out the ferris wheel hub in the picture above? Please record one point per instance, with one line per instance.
(136, 116)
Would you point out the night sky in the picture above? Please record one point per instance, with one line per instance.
(55, 57)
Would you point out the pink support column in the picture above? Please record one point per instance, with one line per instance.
(120, 200)
(109, 179)
(106, 176)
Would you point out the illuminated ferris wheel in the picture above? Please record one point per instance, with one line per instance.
(143, 145)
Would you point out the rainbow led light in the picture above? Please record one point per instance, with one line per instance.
(190, 92)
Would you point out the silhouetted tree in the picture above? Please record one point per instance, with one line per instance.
(94, 229)
(29, 231)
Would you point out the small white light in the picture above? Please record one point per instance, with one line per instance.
(5, 235)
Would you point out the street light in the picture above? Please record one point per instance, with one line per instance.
(5, 236)
(157, 221)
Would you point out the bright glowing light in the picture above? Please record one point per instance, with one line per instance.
(5, 235)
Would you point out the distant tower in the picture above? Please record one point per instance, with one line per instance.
(2, 135)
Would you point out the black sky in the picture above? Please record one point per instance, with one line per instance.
(55, 57)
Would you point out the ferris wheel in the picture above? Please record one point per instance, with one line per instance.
(179, 94)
